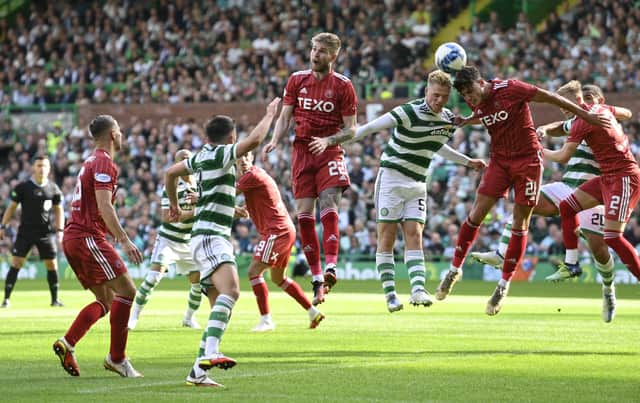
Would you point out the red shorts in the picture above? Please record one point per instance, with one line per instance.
(314, 173)
(275, 249)
(524, 174)
(619, 194)
(93, 260)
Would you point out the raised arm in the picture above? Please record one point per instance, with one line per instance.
(548, 97)
(282, 126)
(379, 124)
(258, 134)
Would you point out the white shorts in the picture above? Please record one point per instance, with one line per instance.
(399, 198)
(591, 220)
(167, 252)
(209, 252)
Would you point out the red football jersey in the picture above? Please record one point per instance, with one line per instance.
(610, 146)
(319, 105)
(97, 172)
(264, 203)
(506, 115)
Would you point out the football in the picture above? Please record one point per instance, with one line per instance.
(450, 57)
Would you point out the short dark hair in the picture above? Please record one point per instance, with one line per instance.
(39, 157)
(593, 89)
(219, 127)
(100, 125)
(466, 77)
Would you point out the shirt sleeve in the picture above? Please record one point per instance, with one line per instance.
(349, 100)
(16, 194)
(579, 129)
(290, 92)
(229, 155)
(521, 90)
(247, 181)
(164, 202)
(104, 174)
(566, 125)
(57, 196)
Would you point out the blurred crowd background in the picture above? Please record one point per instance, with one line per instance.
(243, 50)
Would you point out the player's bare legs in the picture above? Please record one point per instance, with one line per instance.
(513, 256)
(311, 245)
(226, 282)
(495, 258)
(466, 237)
(329, 201)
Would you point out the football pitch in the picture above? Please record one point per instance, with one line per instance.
(549, 344)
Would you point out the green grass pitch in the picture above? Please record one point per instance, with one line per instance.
(549, 344)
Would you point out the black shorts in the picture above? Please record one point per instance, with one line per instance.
(45, 243)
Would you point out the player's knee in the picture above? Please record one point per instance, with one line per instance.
(234, 293)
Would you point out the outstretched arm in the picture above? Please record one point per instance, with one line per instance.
(258, 134)
(282, 126)
(459, 158)
(379, 124)
(548, 97)
(554, 129)
(6, 217)
(562, 155)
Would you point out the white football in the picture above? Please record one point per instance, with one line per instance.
(450, 57)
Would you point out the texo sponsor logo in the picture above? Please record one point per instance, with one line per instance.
(316, 104)
(494, 118)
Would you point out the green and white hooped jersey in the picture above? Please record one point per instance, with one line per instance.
(582, 166)
(178, 231)
(419, 134)
(215, 173)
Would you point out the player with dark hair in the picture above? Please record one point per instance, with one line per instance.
(215, 172)
(94, 260)
(502, 106)
(321, 102)
(278, 235)
(37, 196)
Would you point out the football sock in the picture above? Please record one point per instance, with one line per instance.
(84, 320)
(52, 279)
(504, 239)
(466, 237)
(569, 209)
(10, 281)
(261, 292)
(218, 320)
(310, 244)
(414, 260)
(606, 271)
(293, 289)
(387, 273)
(330, 235)
(147, 286)
(195, 298)
(625, 251)
(119, 317)
(515, 252)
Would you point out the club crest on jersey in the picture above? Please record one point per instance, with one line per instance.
(311, 104)
(494, 118)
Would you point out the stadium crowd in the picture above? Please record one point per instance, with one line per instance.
(177, 61)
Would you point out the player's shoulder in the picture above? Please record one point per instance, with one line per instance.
(341, 77)
(498, 83)
(300, 75)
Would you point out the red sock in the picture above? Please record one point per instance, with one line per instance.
(261, 292)
(83, 322)
(120, 310)
(466, 237)
(293, 289)
(515, 252)
(310, 243)
(569, 209)
(625, 251)
(330, 235)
